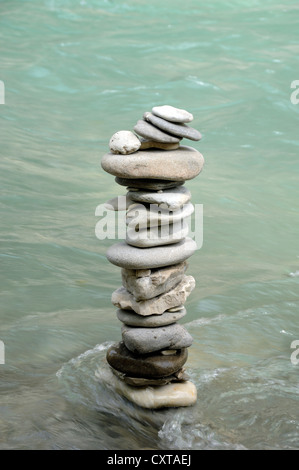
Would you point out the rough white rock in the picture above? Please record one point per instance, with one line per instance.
(124, 142)
(154, 282)
(122, 298)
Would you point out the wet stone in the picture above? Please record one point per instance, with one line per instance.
(179, 376)
(157, 236)
(148, 365)
(147, 340)
(171, 395)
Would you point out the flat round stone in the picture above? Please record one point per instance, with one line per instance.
(133, 319)
(124, 142)
(179, 376)
(182, 164)
(148, 184)
(148, 144)
(148, 365)
(147, 130)
(140, 216)
(173, 198)
(158, 235)
(172, 395)
(172, 114)
(126, 256)
(148, 340)
(180, 130)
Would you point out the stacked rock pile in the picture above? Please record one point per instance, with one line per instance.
(147, 366)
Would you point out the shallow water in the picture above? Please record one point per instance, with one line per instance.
(75, 72)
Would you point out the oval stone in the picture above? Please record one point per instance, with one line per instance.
(147, 340)
(147, 130)
(147, 365)
(124, 142)
(148, 144)
(130, 257)
(133, 319)
(141, 216)
(148, 184)
(173, 198)
(180, 130)
(179, 376)
(182, 164)
(170, 113)
(157, 236)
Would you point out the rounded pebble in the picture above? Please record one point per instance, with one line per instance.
(130, 257)
(124, 142)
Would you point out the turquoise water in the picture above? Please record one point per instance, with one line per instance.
(75, 72)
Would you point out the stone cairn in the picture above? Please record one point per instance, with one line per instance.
(147, 365)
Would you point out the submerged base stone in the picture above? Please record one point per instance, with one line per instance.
(172, 395)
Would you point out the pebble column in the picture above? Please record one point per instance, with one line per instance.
(147, 366)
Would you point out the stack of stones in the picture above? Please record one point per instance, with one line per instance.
(147, 366)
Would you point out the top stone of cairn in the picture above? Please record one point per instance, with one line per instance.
(169, 113)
